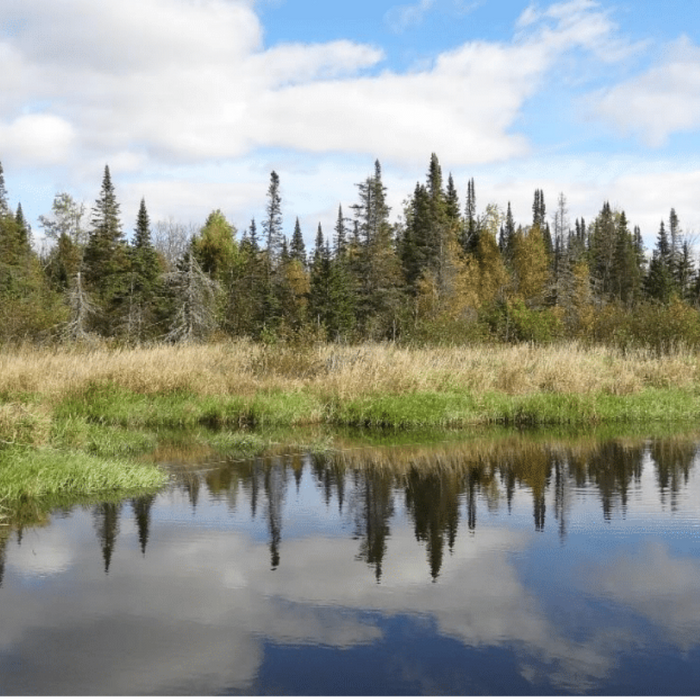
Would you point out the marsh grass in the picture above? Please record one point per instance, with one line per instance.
(48, 392)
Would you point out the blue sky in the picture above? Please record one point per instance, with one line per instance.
(193, 102)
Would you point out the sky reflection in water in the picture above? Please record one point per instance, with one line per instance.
(515, 568)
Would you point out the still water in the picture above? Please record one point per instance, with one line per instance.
(524, 565)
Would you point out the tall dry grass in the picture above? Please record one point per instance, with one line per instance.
(245, 368)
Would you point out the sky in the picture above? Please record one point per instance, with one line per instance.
(192, 104)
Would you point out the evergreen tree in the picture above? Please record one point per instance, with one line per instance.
(602, 236)
(25, 231)
(341, 233)
(659, 282)
(376, 265)
(415, 249)
(685, 272)
(105, 260)
(452, 208)
(319, 283)
(272, 225)
(144, 305)
(507, 239)
(626, 275)
(297, 249)
(27, 306)
(470, 239)
(4, 201)
(539, 210)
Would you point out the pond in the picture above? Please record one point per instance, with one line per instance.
(524, 565)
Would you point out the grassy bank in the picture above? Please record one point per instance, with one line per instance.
(71, 420)
(63, 396)
(43, 473)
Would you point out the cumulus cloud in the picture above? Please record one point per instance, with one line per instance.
(38, 138)
(663, 100)
(184, 81)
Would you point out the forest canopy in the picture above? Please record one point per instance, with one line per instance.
(439, 271)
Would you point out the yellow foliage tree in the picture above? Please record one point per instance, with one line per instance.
(530, 265)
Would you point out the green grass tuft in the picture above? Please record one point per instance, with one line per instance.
(37, 473)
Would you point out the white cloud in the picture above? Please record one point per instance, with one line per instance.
(38, 139)
(185, 81)
(663, 588)
(660, 102)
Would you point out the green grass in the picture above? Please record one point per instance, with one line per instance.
(86, 442)
(454, 410)
(113, 406)
(27, 474)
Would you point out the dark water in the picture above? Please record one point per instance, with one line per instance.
(511, 567)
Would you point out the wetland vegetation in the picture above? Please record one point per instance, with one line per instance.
(77, 419)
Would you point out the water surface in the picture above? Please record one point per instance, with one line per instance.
(518, 566)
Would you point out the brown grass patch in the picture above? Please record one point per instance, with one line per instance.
(245, 368)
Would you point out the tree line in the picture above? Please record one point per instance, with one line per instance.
(439, 272)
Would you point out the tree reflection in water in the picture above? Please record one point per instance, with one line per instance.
(438, 485)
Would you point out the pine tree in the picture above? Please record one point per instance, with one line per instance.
(685, 272)
(272, 225)
(539, 210)
(319, 282)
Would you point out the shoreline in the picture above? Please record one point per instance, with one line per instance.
(97, 409)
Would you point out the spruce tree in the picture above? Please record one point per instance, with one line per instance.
(470, 237)
(105, 260)
(452, 208)
(659, 282)
(144, 303)
(508, 238)
(25, 231)
(341, 233)
(319, 283)
(626, 276)
(376, 267)
(272, 225)
(297, 249)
